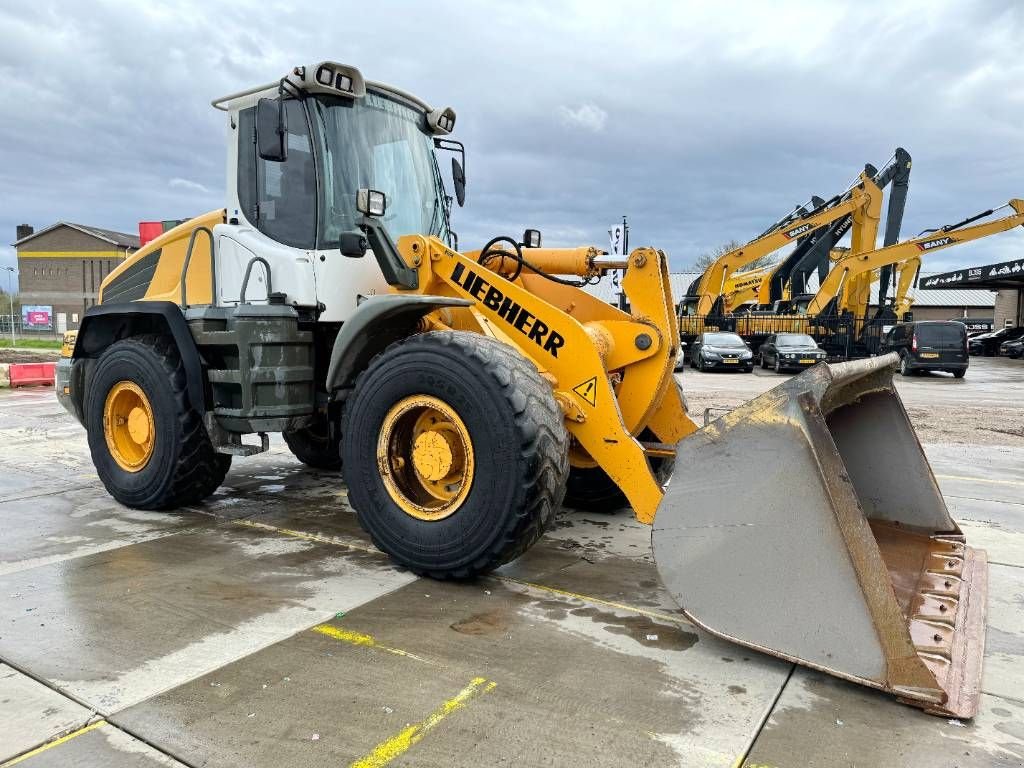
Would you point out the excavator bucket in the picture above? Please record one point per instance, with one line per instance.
(808, 524)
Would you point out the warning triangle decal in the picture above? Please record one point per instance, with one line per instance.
(588, 390)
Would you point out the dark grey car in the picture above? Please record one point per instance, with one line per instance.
(789, 351)
(721, 350)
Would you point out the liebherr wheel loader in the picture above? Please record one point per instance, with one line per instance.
(464, 390)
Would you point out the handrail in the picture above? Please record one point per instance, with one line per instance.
(248, 272)
(188, 259)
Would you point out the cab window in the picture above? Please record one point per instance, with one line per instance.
(280, 198)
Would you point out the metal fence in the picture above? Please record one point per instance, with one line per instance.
(24, 331)
(843, 337)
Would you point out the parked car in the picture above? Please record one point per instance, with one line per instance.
(786, 351)
(1012, 349)
(718, 349)
(987, 344)
(939, 345)
(680, 359)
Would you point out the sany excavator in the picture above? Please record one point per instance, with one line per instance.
(788, 279)
(705, 300)
(859, 268)
(465, 393)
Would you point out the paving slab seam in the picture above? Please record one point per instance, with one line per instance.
(44, 562)
(42, 494)
(249, 523)
(55, 742)
(104, 718)
(768, 711)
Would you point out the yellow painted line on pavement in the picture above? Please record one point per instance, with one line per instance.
(54, 743)
(401, 742)
(992, 480)
(367, 641)
(307, 536)
(599, 601)
(528, 584)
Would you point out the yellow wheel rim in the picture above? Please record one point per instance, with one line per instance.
(425, 457)
(128, 426)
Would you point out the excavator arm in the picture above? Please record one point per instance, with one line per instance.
(814, 255)
(863, 203)
(851, 268)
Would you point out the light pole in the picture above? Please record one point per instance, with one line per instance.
(10, 287)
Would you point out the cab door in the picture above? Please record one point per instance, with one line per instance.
(274, 238)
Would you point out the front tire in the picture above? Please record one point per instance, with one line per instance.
(148, 444)
(778, 366)
(455, 453)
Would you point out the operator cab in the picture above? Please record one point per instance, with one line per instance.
(301, 150)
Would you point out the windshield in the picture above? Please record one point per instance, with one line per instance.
(378, 143)
(723, 340)
(795, 340)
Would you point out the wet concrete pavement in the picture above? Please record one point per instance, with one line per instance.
(262, 629)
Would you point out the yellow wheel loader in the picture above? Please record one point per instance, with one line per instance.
(465, 390)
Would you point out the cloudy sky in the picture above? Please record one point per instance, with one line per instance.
(702, 122)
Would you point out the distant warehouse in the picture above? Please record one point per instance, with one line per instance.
(974, 307)
(60, 269)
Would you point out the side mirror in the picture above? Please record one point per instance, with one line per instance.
(354, 245)
(459, 180)
(271, 130)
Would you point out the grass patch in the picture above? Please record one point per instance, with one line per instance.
(31, 343)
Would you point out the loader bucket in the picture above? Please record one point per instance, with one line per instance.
(808, 524)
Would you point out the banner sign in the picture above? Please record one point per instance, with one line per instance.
(37, 318)
(963, 278)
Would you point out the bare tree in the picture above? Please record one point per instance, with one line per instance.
(708, 258)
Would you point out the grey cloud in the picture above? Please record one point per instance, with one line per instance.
(701, 124)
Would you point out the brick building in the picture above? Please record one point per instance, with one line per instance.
(63, 265)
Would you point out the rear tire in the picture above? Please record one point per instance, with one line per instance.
(182, 466)
(904, 367)
(590, 489)
(519, 445)
(314, 445)
(960, 374)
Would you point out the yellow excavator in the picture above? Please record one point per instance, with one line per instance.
(763, 289)
(847, 285)
(704, 303)
(465, 394)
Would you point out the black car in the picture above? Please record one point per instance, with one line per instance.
(786, 351)
(987, 344)
(939, 345)
(718, 349)
(1012, 349)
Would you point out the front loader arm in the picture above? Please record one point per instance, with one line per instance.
(611, 371)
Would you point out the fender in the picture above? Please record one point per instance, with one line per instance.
(377, 322)
(104, 324)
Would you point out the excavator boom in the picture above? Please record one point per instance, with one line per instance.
(856, 265)
(863, 203)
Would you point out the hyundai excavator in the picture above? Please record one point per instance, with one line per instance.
(466, 394)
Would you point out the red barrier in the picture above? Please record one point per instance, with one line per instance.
(32, 374)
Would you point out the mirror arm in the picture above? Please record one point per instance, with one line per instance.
(395, 270)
